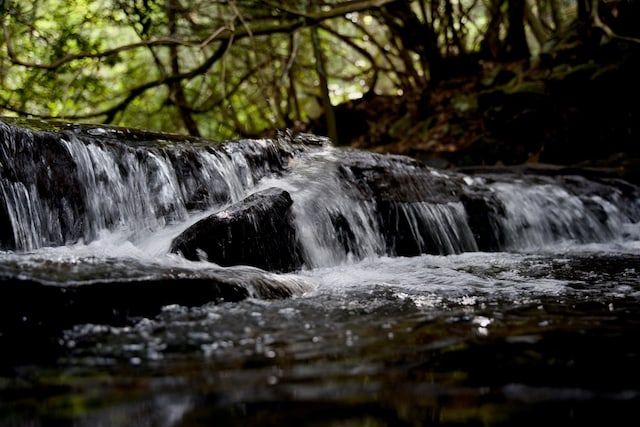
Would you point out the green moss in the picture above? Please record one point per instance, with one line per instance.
(582, 72)
(465, 103)
(530, 87)
(122, 134)
(38, 125)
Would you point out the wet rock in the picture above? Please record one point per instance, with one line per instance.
(63, 182)
(33, 304)
(344, 233)
(402, 236)
(586, 183)
(37, 165)
(484, 211)
(34, 311)
(256, 231)
(415, 204)
(398, 179)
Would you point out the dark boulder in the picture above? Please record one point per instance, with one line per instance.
(398, 179)
(256, 231)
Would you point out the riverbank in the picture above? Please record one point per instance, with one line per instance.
(574, 106)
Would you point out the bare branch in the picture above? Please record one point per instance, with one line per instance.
(604, 27)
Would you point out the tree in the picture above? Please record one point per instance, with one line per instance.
(193, 58)
(223, 68)
(507, 17)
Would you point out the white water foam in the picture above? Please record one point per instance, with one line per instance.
(539, 215)
(320, 198)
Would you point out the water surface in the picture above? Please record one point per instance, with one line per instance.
(470, 339)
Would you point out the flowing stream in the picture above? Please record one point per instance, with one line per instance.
(423, 297)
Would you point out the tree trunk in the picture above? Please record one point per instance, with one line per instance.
(585, 14)
(414, 35)
(321, 70)
(536, 25)
(490, 45)
(177, 91)
(556, 14)
(516, 46)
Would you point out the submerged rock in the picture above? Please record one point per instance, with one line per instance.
(34, 311)
(35, 304)
(257, 231)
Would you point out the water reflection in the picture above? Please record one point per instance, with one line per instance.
(461, 340)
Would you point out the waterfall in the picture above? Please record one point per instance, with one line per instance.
(68, 185)
(58, 188)
(25, 214)
(332, 226)
(546, 213)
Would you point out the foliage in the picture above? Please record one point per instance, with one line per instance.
(225, 68)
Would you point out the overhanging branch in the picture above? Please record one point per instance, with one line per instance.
(221, 34)
(165, 41)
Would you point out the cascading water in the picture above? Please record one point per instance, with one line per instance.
(415, 287)
(539, 215)
(332, 226)
(89, 181)
(343, 203)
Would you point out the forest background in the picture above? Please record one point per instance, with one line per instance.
(452, 82)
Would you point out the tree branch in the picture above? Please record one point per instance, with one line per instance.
(111, 112)
(597, 22)
(165, 41)
(217, 35)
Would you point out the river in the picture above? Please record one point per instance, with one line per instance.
(542, 329)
